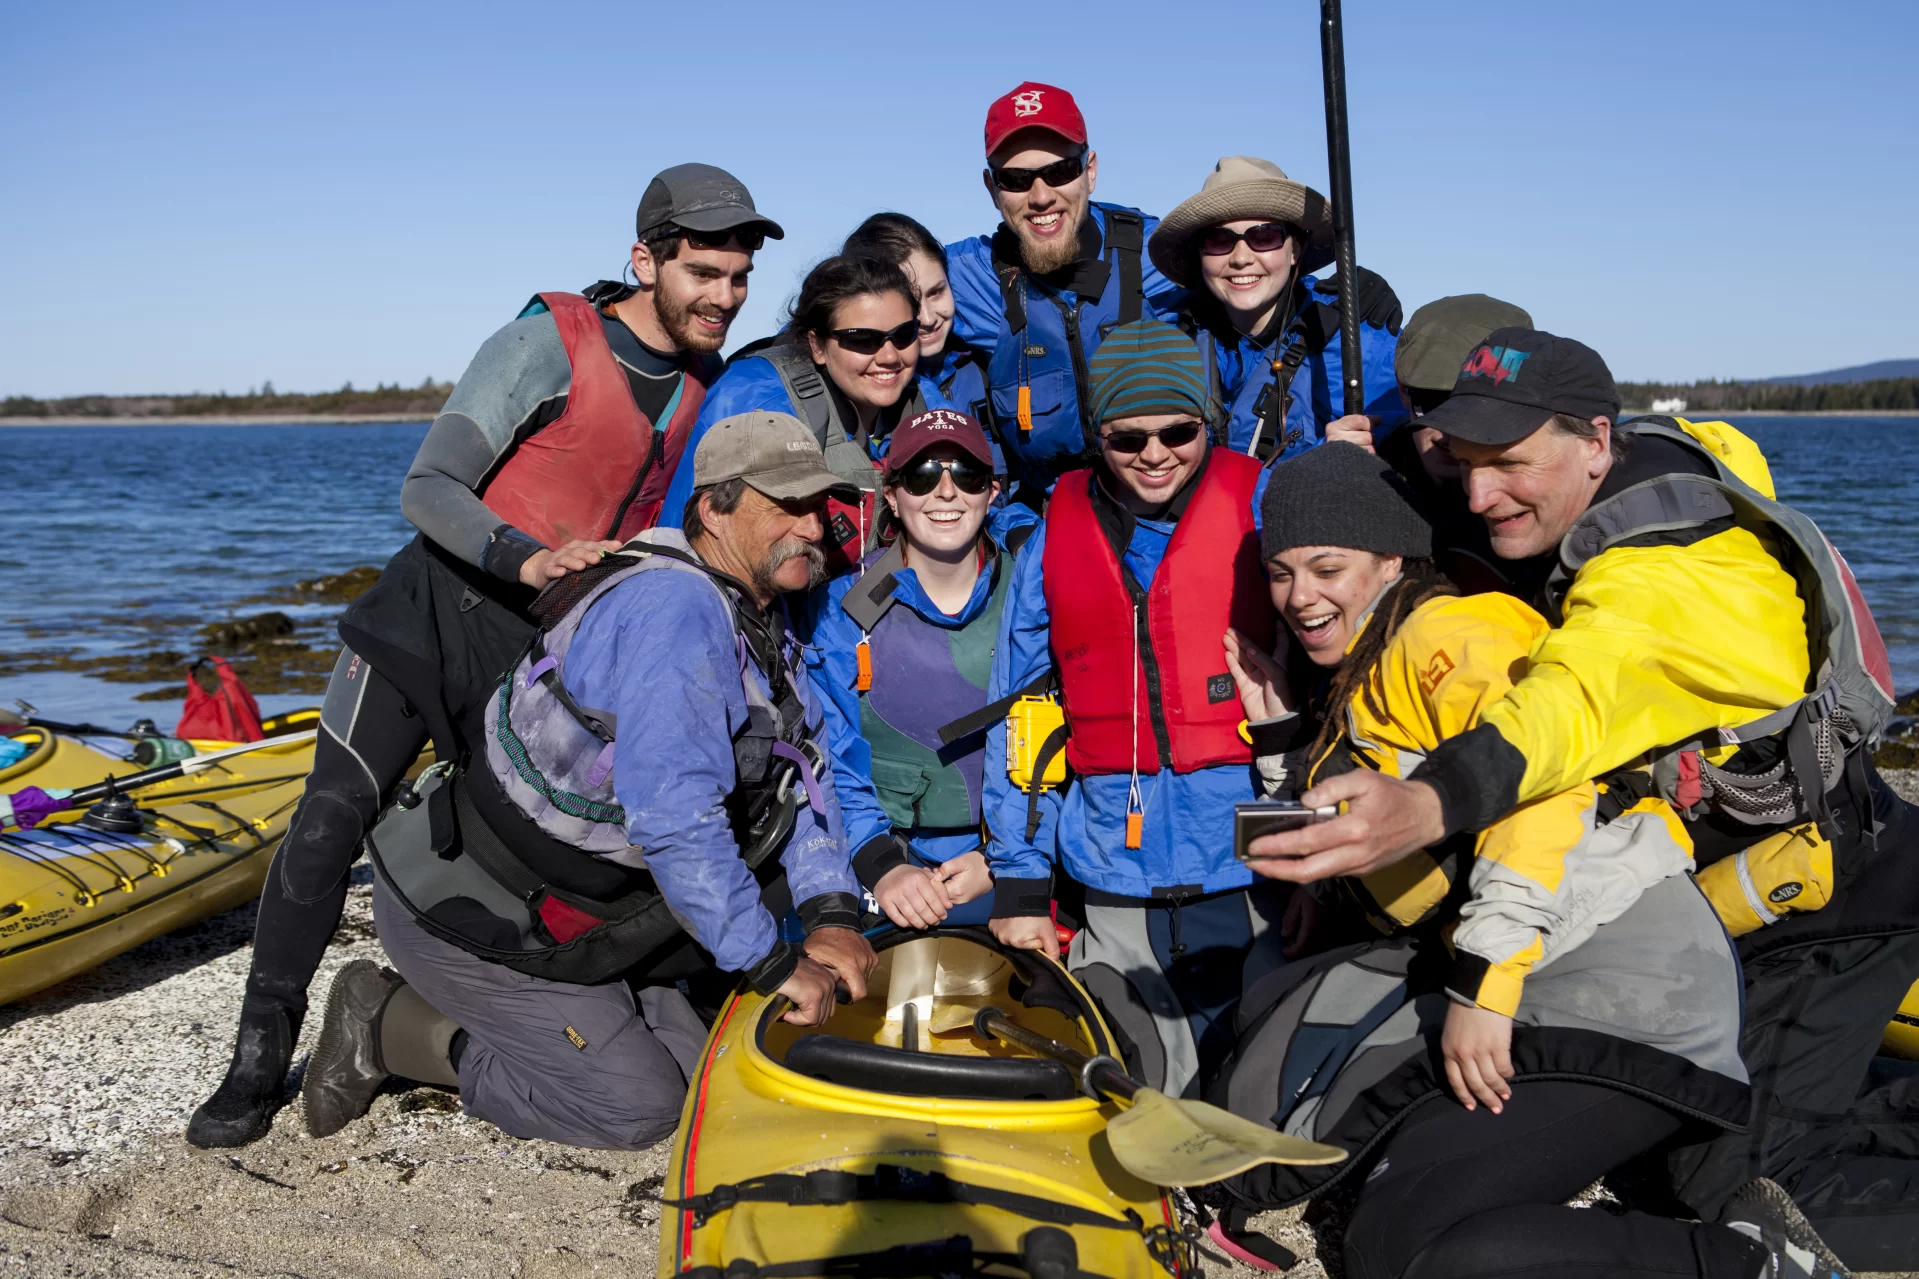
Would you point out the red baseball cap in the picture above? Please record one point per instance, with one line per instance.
(937, 426)
(1034, 106)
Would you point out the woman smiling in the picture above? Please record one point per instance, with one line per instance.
(846, 365)
(1244, 246)
(1574, 981)
(901, 651)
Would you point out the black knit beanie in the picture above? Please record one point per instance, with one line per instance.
(1340, 495)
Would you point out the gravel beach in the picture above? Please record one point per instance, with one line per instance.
(98, 1075)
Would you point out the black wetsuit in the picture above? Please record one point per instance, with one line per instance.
(442, 625)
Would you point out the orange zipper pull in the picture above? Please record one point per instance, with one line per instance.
(1026, 408)
(863, 655)
(1135, 829)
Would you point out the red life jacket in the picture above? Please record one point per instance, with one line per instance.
(1210, 578)
(592, 473)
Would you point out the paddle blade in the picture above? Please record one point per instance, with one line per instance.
(1189, 1143)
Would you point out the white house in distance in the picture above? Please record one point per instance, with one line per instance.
(1669, 406)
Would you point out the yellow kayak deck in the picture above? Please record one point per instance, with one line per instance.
(72, 897)
(960, 1154)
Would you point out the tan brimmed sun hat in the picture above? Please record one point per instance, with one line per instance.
(1243, 186)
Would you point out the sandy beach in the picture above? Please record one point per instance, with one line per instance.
(98, 1075)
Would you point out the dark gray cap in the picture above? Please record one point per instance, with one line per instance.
(1441, 334)
(1338, 494)
(1516, 379)
(700, 197)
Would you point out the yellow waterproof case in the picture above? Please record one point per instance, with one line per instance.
(1036, 739)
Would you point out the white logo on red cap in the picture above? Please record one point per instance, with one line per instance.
(1027, 102)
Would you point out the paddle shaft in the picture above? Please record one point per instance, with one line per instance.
(1100, 1073)
(1332, 61)
(180, 768)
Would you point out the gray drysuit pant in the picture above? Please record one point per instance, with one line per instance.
(582, 1065)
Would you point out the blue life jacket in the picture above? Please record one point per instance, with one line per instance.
(923, 677)
(1307, 361)
(1046, 334)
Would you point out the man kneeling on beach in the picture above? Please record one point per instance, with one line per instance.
(648, 806)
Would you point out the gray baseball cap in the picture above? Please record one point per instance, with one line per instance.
(773, 452)
(700, 197)
(1441, 334)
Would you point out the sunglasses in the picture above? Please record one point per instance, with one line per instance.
(923, 476)
(1057, 174)
(1176, 436)
(749, 240)
(1218, 241)
(868, 341)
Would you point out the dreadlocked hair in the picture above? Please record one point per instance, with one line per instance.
(1358, 676)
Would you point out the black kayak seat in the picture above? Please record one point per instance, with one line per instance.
(878, 1068)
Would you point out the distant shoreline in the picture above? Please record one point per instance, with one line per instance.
(250, 419)
(352, 419)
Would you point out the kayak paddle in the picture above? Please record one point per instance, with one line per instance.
(1162, 1139)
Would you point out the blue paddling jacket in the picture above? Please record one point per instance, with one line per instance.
(753, 382)
(928, 669)
(1254, 420)
(1039, 334)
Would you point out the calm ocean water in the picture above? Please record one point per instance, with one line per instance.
(115, 537)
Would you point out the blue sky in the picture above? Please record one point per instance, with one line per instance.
(203, 196)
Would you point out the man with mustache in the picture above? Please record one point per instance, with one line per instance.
(1036, 298)
(649, 802)
(556, 446)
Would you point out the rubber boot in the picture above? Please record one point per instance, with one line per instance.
(376, 1026)
(241, 1110)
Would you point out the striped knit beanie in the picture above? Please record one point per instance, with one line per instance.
(1145, 368)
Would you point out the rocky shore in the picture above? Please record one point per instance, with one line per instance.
(98, 1075)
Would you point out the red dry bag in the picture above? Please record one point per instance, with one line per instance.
(219, 705)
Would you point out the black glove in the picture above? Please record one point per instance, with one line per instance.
(1378, 304)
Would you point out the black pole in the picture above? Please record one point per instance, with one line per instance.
(1332, 60)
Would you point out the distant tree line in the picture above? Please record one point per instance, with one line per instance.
(424, 399)
(1777, 397)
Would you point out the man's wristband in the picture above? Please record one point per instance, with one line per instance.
(507, 550)
(772, 972)
(876, 856)
(1022, 898)
(830, 910)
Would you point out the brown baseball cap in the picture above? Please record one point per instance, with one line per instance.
(775, 453)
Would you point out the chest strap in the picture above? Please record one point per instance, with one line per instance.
(1126, 233)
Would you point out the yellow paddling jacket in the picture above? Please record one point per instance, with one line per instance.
(1543, 877)
(1699, 619)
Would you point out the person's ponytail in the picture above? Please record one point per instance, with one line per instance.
(1419, 580)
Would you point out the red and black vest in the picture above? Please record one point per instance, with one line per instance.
(596, 471)
(1177, 697)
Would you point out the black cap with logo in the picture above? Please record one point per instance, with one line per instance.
(1517, 379)
(700, 197)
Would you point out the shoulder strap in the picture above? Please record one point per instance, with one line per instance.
(868, 599)
(1658, 505)
(987, 715)
(1126, 236)
(1012, 299)
(1223, 424)
(812, 402)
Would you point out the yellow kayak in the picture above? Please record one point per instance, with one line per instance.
(1902, 1035)
(804, 1144)
(72, 897)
